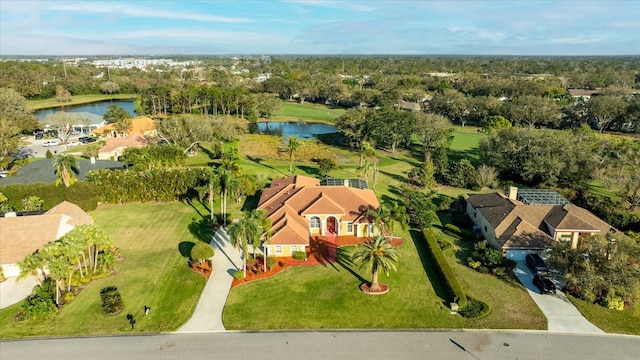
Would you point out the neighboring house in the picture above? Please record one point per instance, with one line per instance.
(114, 146)
(409, 105)
(530, 220)
(583, 93)
(139, 125)
(301, 208)
(24, 235)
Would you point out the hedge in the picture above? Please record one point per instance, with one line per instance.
(451, 282)
(83, 194)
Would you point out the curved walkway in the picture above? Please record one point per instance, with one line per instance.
(561, 315)
(13, 290)
(208, 314)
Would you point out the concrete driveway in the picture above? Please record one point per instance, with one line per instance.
(13, 291)
(561, 315)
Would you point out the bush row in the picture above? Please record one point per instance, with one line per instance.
(149, 185)
(83, 194)
(449, 279)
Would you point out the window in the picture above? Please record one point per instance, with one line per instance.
(565, 237)
(350, 227)
(371, 229)
(294, 249)
(485, 228)
(314, 222)
(278, 249)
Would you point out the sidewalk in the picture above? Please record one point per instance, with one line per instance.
(208, 314)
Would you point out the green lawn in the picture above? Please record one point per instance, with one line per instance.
(76, 100)
(153, 273)
(610, 321)
(308, 112)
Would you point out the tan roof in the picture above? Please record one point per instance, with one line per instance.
(288, 199)
(127, 141)
(519, 225)
(23, 235)
(139, 124)
(78, 216)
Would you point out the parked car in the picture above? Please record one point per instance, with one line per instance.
(51, 143)
(86, 139)
(545, 285)
(39, 135)
(536, 264)
(73, 143)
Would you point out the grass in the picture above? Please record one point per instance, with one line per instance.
(75, 100)
(610, 321)
(154, 273)
(308, 112)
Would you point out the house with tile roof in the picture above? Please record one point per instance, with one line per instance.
(24, 235)
(115, 146)
(302, 209)
(519, 225)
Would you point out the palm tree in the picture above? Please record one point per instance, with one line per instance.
(238, 236)
(66, 167)
(375, 256)
(393, 214)
(292, 146)
(378, 216)
(365, 149)
(224, 178)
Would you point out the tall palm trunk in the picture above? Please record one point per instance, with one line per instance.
(375, 285)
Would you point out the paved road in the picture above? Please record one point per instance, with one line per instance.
(561, 315)
(453, 345)
(208, 313)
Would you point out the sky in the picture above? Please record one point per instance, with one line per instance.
(314, 27)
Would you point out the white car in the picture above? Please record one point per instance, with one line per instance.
(74, 143)
(51, 143)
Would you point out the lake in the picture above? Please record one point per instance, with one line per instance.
(299, 129)
(98, 108)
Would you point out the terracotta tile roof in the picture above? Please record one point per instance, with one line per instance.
(23, 235)
(127, 141)
(289, 198)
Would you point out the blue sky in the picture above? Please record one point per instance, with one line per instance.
(146, 27)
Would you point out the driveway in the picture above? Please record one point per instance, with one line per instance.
(208, 314)
(13, 291)
(561, 315)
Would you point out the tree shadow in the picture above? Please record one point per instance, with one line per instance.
(396, 177)
(334, 139)
(309, 170)
(251, 202)
(185, 248)
(260, 162)
(189, 202)
(200, 230)
(457, 155)
(427, 264)
(343, 259)
(210, 154)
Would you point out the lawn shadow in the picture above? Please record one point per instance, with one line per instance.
(200, 229)
(209, 153)
(429, 270)
(343, 260)
(187, 200)
(456, 155)
(396, 177)
(260, 162)
(185, 248)
(309, 170)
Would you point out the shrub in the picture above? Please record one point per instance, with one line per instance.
(475, 309)
(201, 251)
(238, 274)
(41, 304)
(451, 282)
(445, 203)
(300, 255)
(271, 262)
(111, 300)
(68, 296)
(490, 258)
(453, 229)
(48, 154)
(83, 194)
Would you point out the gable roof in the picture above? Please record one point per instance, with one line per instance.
(139, 124)
(127, 141)
(520, 225)
(23, 235)
(290, 198)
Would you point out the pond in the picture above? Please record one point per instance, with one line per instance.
(98, 108)
(299, 129)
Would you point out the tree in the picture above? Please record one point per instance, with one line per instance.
(62, 95)
(463, 174)
(365, 149)
(495, 123)
(224, 179)
(109, 87)
(487, 176)
(201, 251)
(15, 120)
(605, 109)
(32, 203)
(111, 300)
(433, 130)
(532, 110)
(292, 145)
(375, 256)
(393, 214)
(187, 131)
(62, 123)
(238, 237)
(65, 167)
(325, 166)
(119, 116)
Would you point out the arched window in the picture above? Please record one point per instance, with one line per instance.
(314, 222)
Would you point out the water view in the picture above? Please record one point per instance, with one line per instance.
(98, 108)
(299, 129)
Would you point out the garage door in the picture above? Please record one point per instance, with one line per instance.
(519, 255)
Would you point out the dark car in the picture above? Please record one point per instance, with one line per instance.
(39, 135)
(86, 139)
(545, 285)
(536, 264)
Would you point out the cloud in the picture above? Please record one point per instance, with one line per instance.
(135, 11)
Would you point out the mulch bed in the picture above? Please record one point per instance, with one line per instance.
(203, 269)
(255, 272)
(384, 288)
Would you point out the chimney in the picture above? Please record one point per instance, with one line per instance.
(346, 182)
(513, 193)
